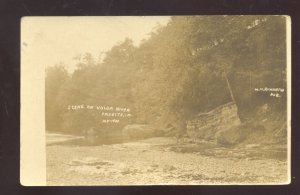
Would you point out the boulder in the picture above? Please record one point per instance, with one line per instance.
(231, 136)
(249, 132)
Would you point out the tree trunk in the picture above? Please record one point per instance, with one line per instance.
(229, 88)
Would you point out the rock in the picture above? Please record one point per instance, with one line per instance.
(207, 125)
(248, 131)
(252, 145)
(230, 137)
(168, 168)
(263, 110)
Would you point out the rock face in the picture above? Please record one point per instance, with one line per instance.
(230, 136)
(207, 125)
(139, 131)
(250, 132)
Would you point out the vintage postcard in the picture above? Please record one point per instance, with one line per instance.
(155, 100)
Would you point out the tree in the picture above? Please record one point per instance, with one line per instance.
(55, 78)
(191, 65)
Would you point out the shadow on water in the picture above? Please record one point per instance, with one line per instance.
(84, 142)
(231, 152)
(204, 149)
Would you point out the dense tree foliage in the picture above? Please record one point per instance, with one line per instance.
(57, 76)
(181, 70)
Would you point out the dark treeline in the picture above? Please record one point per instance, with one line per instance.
(180, 70)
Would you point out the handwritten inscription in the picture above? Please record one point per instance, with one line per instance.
(274, 92)
(110, 114)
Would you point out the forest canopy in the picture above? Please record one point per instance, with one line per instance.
(179, 71)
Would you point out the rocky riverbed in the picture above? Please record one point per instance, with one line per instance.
(163, 161)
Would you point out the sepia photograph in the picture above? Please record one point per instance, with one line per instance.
(156, 100)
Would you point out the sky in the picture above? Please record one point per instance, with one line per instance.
(55, 40)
